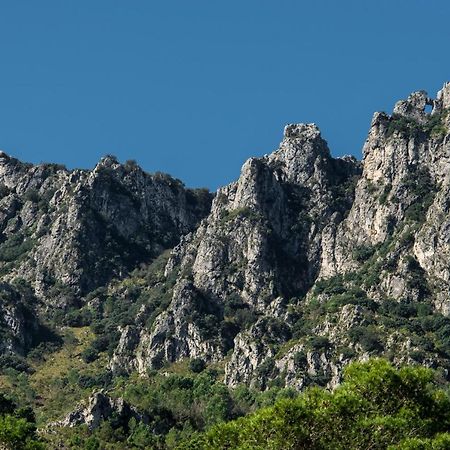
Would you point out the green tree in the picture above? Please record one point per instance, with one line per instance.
(377, 406)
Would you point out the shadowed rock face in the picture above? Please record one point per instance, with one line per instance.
(301, 265)
(259, 247)
(64, 233)
(77, 230)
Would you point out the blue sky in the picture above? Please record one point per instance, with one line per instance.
(194, 88)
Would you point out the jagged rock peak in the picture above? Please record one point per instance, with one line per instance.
(3, 155)
(301, 154)
(443, 97)
(108, 161)
(299, 130)
(414, 106)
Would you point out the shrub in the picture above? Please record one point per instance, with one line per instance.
(89, 355)
(368, 337)
(13, 362)
(15, 246)
(318, 343)
(300, 359)
(403, 125)
(4, 190)
(377, 406)
(333, 285)
(31, 195)
(17, 427)
(384, 195)
(363, 252)
(245, 212)
(78, 318)
(197, 365)
(416, 278)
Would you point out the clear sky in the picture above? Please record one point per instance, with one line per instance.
(194, 88)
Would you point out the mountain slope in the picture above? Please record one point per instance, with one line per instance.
(308, 261)
(301, 266)
(65, 233)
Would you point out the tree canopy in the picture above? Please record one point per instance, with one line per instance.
(376, 407)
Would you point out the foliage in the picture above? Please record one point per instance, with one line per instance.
(197, 365)
(417, 279)
(15, 246)
(17, 426)
(363, 252)
(419, 184)
(32, 195)
(384, 195)
(236, 311)
(368, 337)
(179, 405)
(433, 125)
(377, 406)
(244, 212)
(403, 125)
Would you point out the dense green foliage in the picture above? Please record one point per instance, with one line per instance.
(377, 406)
(17, 427)
(178, 405)
(433, 125)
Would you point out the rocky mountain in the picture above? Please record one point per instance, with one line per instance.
(307, 262)
(283, 277)
(65, 232)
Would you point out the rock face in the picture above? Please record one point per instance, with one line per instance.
(101, 407)
(303, 264)
(64, 233)
(68, 232)
(259, 247)
(17, 321)
(302, 261)
(72, 231)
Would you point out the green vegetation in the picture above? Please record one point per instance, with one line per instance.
(363, 252)
(381, 327)
(384, 195)
(197, 365)
(238, 313)
(179, 404)
(4, 190)
(404, 125)
(244, 212)
(15, 247)
(119, 305)
(17, 427)
(434, 125)
(377, 406)
(420, 185)
(32, 195)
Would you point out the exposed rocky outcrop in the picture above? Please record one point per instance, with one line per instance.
(68, 232)
(101, 407)
(303, 264)
(259, 246)
(299, 216)
(64, 233)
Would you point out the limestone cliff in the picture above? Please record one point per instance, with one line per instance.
(307, 261)
(303, 264)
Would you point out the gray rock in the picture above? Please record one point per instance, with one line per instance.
(101, 407)
(247, 268)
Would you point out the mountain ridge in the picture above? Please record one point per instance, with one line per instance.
(280, 279)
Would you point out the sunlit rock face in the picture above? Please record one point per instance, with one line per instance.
(303, 264)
